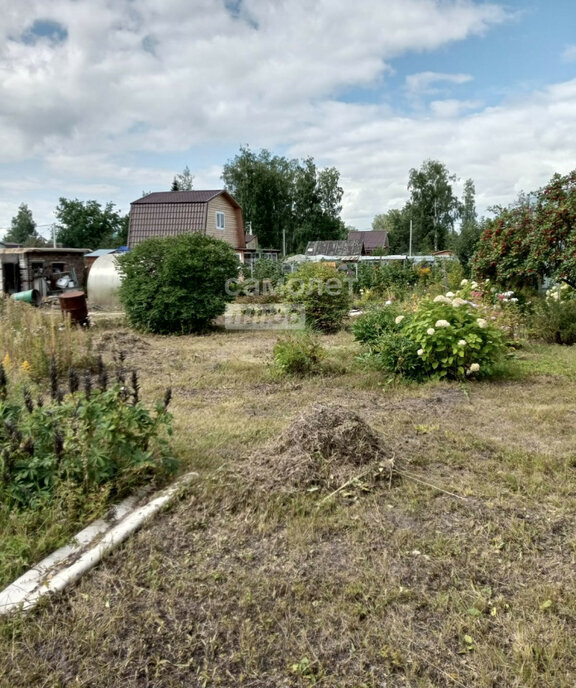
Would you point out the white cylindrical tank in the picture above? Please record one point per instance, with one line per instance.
(104, 281)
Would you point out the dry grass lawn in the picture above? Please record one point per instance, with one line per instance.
(457, 570)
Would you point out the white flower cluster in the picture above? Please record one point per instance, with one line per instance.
(399, 319)
(481, 322)
(442, 323)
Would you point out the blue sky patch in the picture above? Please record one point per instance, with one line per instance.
(45, 28)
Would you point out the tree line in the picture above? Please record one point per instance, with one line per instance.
(289, 202)
(433, 218)
(79, 224)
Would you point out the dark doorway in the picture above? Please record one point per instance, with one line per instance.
(11, 273)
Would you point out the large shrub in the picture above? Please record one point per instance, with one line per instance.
(554, 321)
(453, 341)
(323, 291)
(446, 337)
(177, 285)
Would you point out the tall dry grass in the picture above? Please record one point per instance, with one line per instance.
(30, 337)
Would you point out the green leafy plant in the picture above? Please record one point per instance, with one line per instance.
(177, 285)
(452, 341)
(324, 293)
(554, 321)
(300, 354)
(89, 438)
(370, 326)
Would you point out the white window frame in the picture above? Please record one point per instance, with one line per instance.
(220, 220)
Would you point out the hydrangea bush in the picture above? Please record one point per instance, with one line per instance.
(445, 337)
(453, 342)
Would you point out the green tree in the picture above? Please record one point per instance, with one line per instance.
(263, 185)
(89, 225)
(285, 199)
(317, 206)
(397, 225)
(23, 227)
(184, 181)
(177, 285)
(470, 229)
(434, 206)
(534, 238)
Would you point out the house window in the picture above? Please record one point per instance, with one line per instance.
(220, 222)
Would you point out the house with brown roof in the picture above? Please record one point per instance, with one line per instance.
(170, 213)
(374, 240)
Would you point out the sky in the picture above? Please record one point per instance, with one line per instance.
(106, 99)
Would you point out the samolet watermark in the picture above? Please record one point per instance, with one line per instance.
(272, 316)
(278, 316)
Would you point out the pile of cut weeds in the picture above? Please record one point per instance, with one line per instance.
(325, 448)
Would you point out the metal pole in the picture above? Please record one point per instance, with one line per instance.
(410, 248)
(284, 242)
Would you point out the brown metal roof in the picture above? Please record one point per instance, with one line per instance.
(183, 197)
(148, 220)
(372, 239)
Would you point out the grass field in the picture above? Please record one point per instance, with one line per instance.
(455, 570)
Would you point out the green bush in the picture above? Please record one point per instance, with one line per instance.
(395, 352)
(393, 279)
(89, 438)
(554, 321)
(265, 269)
(299, 354)
(324, 293)
(452, 341)
(177, 285)
(442, 338)
(370, 326)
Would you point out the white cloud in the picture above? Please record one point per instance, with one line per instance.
(569, 53)
(168, 76)
(424, 83)
(209, 73)
(505, 149)
(453, 108)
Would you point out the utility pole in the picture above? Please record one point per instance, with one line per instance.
(410, 244)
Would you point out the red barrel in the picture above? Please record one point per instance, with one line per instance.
(73, 303)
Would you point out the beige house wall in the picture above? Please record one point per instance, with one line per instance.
(231, 232)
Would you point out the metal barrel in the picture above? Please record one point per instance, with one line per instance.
(73, 303)
(31, 296)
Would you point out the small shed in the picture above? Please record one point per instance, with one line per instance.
(48, 270)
